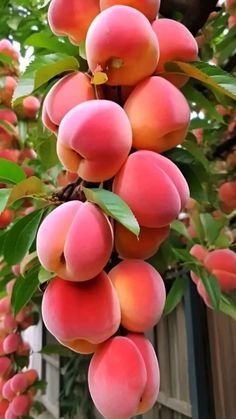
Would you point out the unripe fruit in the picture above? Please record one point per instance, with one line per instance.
(82, 244)
(159, 115)
(121, 42)
(184, 48)
(72, 18)
(94, 140)
(153, 187)
(149, 8)
(83, 311)
(141, 294)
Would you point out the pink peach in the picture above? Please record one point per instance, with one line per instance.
(149, 8)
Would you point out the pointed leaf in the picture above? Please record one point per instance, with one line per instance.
(11, 172)
(228, 306)
(26, 188)
(23, 290)
(4, 195)
(113, 206)
(175, 294)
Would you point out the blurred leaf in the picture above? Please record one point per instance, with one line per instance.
(211, 227)
(56, 349)
(192, 176)
(180, 228)
(113, 206)
(11, 172)
(228, 306)
(211, 75)
(46, 150)
(196, 151)
(175, 294)
(51, 42)
(82, 50)
(28, 187)
(23, 290)
(4, 195)
(21, 236)
(45, 276)
(212, 288)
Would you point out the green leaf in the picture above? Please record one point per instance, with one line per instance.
(180, 228)
(56, 349)
(51, 42)
(175, 294)
(113, 206)
(28, 187)
(11, 172)
(196, 152)
(23, 290)
(192, 176)
(212, 288)
(46, 150)
(211, 227)
(21, 236)
(8, 127)
(5, 59)
(45, 276)
(211, 75)
(228, 306)
(40, 71)
(4, 195)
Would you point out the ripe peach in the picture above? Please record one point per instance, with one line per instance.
(11, 343)
(124, 361)
(87, 311)
(159, 115)
(9, 323)
(7, 391)
(5, 306)
(141, 293)
(149, 396)
(31, 376)
(20, 405)
(121, 42)
(9, 154)
(222, 264)
(6, 218)
(8, 115)
(19, 383)
(3, 408)
(7, 91)
(31, 105)
(227, 196)
(146, 245)
(94, 140)
(9, 414)
(68, 92)
(65, 177)
(80, 346)
(82, 243)
(74, 19)
(5, 366)
(149, 8)
(153, 187)
(199, 252)
(7, 48)
(230, 6)
(46, 119)
(184, 47)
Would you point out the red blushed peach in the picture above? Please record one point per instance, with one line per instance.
(7, 91)
(227, 196)
(121, 42)
(7, 48)
(202, 292)
(149, 8)
(184, 48)
(31, 376)
(146, 245)
(73, 18)
(8, 154)
(20, 405)
(7, 392)
(5, 366)
(19, 383)
(3, 408)
(153, 187)
(11, 343)
(222, 264)
(199, 252)
(31, 105)
(46, 119)
(5, 306)
(117, 378)
(68, 92)
(6, 218)
(85, 311)
(94, 140)
(159, 115)
(8, 115)
(141, 293)
(75, 241)
(9, 414)
(151, 390)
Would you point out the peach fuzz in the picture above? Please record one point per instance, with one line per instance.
(156, 198)
(68, 92)
(78, 248)
(112, 46)
(31, 105)
(72, 18)
(9, 414)
(149, 8)
(184, 48)
(159, 115)
(83, 311)
(222, 264)
(128, 246)
(152, 387)
(94, 140)
(227, 195)
(117, 378)
(141, 294)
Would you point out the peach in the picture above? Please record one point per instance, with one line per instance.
(222, 264)
(184, 47)
(5, 366)
(203, 294)
(9, 414)
(199, 252)
(11, 343)
(68, 92)
(230, 6)
(9, 323)
(80, 346)
(7, 91)
(227, 196)
(128, 246)
(94, 140)
(72, 19)
(159, 115)
(231, 21)
(78, 248)
(7, 391)
(24, 349)
(46, 119)
(3, 408)
(124, 377)
(149, 396)
(20, 405)
(65, 177)
(8, 154)
(149, 8)
(8, 115)
(87, 311)
(121, 42)
(141, 294)
(31, 376)
(153, 187)
(7, 48)
(19, 383)
(6, 218)
(5, 305)
(31, 105)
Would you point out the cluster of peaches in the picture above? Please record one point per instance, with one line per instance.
(16, 387)
(113, 134)
(230, 7)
